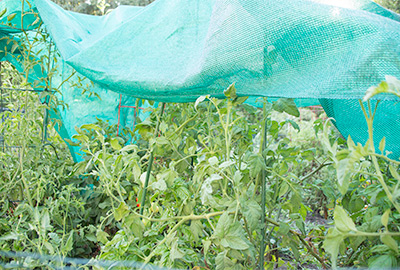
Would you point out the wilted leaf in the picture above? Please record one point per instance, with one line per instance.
(196, 228)
(225, 164)
(91, 127)
(283, 228)
(235, 238)
(9, 236)
(283, 189)
(45, 221)
(230, 234)
(49, 247)
(159, 185)
(224, 263)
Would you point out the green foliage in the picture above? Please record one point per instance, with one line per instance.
(393, 5)
(98, 7)
(204, 186)
(369, 182)
(203, 207)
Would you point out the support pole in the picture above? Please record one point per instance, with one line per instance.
(263, 191)
(45, 118)
(2, 143)
(150, 165)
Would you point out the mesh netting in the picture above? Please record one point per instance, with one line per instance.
(178, 50)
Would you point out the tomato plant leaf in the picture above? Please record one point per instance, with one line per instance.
(121, 211)
(224, 263)
(45, 221)
(344, 171)
(67, 247)
(382, 262)
(175, 252)
(206, 246)
(3, 12)
(342, 221)
(11, 16)
(294, 124)
(383, 87)
(115, 144)
(394, 172)
(390, 242)
(235, 238)
(382, 144)
(385, 218)
(252, 212)
(102, 236)
(199, 100)
(286, 105)
(332, 243)
(230, 92)
(49, 247)
(213, 161)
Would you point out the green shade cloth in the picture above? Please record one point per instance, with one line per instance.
(178, 50)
